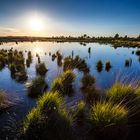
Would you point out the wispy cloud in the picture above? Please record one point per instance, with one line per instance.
(7, 31)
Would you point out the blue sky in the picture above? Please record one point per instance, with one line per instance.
(71, 17)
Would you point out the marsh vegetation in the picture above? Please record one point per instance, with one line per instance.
(68, 94)
(107, 118)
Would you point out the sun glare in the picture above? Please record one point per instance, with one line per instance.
(36, 24)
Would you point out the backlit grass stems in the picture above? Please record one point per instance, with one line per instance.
(126, 95)
(121, 93)
(108, 120)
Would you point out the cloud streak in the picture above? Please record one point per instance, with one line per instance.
(7, 31)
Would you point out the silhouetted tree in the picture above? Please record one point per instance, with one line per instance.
(126, 37)
(116, 36)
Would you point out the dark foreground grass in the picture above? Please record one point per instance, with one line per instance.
(106, 119)
(49, 120)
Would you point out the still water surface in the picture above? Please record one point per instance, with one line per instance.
(104, 79)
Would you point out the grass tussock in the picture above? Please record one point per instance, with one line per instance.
(88, 87)
(99, 66)
(64, 83)
(36, 87)
(15, 61)
(41, 69)
(121, 93)
(106, 113)
(108, 121)
(80, 115)
(87, 81)
(107, 118)
(76, 63)
(49, 120)
(108, 66)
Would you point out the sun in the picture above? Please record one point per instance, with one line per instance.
(36, 24)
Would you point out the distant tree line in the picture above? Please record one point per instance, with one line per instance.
(83, 38)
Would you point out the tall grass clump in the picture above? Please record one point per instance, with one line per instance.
(57, 86)
(127, 63)
(76, 63)
(108, 66)
(127, 96)
(59, 58)
(36, 87)
(88, 87)
(15, 61)
(29, 59)
(49, 120)
(2, 61)
(64, 83)
(80, 115)
(121, 93)
(87, 81)
(108, 120)
(68, 78)
(41, 69)
(12, 68)
(99, 66)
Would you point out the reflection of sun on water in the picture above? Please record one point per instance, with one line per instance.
(37, 49)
